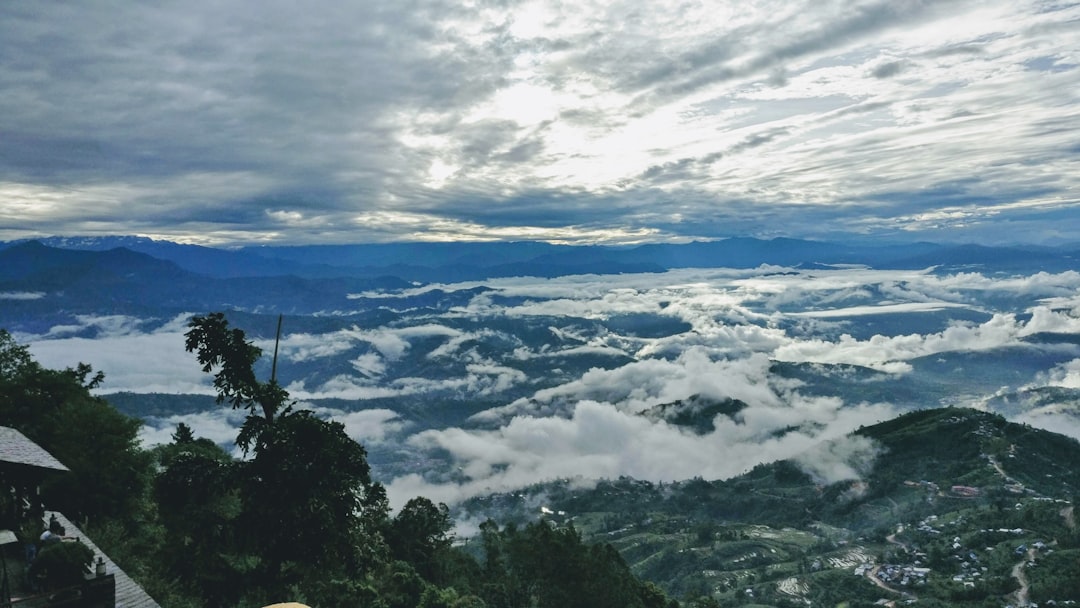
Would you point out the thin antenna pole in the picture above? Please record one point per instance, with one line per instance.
(277, 341)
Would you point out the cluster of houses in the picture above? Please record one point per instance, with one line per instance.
(971, 570)
(897, 575)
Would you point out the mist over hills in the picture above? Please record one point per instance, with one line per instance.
(944, 447)
(931, 506)
(585, 346)
(700, 406)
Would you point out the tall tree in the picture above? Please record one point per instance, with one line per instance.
(306, 493)
(310, 511)
(199, 503)
(419, 533)
(225, 352)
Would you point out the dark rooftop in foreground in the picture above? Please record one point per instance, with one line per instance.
(15, 448)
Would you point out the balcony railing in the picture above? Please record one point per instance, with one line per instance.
(94, 592)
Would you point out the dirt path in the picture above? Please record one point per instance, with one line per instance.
(872, 575)
(997, 467)
(892, 539)
(1018, 574)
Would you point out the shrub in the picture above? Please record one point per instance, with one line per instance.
(62, 564)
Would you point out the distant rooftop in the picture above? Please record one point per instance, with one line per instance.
(15, 448)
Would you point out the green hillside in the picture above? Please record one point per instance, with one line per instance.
(939, 517)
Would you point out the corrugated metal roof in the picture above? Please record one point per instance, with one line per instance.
(128, 593)
(16, 448)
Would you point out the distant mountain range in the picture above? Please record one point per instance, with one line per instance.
(448, 262)
(156, 279)
(124, 281)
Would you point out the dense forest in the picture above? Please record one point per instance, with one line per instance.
(298, 519)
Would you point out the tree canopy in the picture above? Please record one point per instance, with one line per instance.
(299, 518)
(110, 473)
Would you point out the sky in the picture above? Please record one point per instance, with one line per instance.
(593, 121)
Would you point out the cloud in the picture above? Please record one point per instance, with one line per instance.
(345, 387)
(593, 443)
(21, 295)
(888, 69)
(642, 384)
(374, 426)
(132, 358)
(846, 459)
(1065, 375)
(564, 381)
(855, 311)
(591, 427)
(888, 353)
(533, 120)
(579, 427)
(370, 365)
(1055, 422)
(219, 425)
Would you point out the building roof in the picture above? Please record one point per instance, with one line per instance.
(128, 593)
(15, 448)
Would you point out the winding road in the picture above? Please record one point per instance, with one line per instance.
(1018, 573)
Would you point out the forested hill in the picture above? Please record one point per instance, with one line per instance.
(789, 536)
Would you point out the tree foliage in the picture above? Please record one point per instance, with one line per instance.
(300, 518)
(420, 533)
(109, 472)
(548, 567)
(225, 352)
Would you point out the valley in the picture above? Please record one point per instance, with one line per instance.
(742, 435)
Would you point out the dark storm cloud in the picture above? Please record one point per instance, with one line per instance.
(194, 81)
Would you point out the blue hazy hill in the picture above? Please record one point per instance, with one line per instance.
(445, 262)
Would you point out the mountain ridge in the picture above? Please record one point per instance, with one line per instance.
(431, 262)
(953, 491)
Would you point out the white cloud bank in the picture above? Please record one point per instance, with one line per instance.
(592, 428)
(132, 359)
(731, 326)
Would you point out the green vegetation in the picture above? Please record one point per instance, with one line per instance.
(62, 565)
(299, 519)
(952, 492)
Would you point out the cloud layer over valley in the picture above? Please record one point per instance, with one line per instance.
(593, 376)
